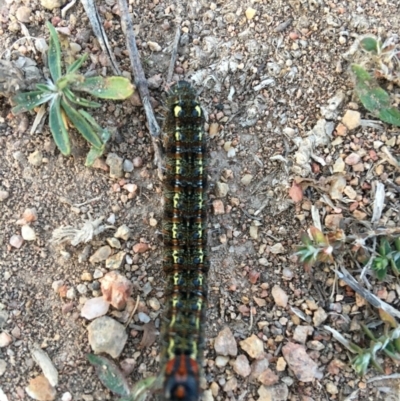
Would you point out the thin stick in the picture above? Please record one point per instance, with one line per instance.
(174, 54)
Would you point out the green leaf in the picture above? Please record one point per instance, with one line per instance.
(104, 134)
(110, 375)
(93, 155)
(116, 88)
(80, 101)
(81, 125)
(77, 64)
(58, 128)
(54, 53)
(139, 390)
(361, 362)
(67, 80)
(45, 88)
(369, 44)
(26, 101)
(384, 247)
(397, 243)
(390, 116)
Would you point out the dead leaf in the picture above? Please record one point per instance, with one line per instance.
(149, 335)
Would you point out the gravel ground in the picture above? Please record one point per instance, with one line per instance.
(263, 70)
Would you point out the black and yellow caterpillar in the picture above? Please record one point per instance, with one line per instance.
(185, 260)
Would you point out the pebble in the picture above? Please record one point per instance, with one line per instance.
(36, 158)
(116, 289)
(131, 188)
(28, 233)
(111, 219)
(86, 276)
(352, 159)
(230, 385)
(82, 288)
(137, 162)
(56, 285)
(144, 317)
(154, 304)
(153, 222)
(338, 184)
(246, 179)
(40, 389)
(333, 220)
(140, 247)
(279, 392)
(94, 308)
(67, 396)
(114, 243)
(301, 333)
(341, 130)
(51, 4)
(3, 367)
(84, 255)
(123, 232)
(253, 231)
(339, 165)
(258, 367)
(127, 166)
(46, 365)
(241, 366)
(23, 13)
(16, 241)
(225, 343)
(213, 130)
(350, 192)
(299, 362)
(5, 339)
(154, 46)
(101, 254)
(280, 364)
(331, 388)
(253, 346)
(352, 119)
(221, 189)
(75, 48)
(359, 215)
(319, 317)
(127, 366)
(116, 165)
(280, 296)
(268, 377)
(250, 13)
(4, 195)
(277, 248)
(221, 361)
(107, 335)
(115, 261)
(218, 207)
(97, 274)
(71, 293)
(315, 345)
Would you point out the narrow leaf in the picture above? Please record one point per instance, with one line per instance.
(81, 125)
(104, 134)
(387, 318)
(58, 128)
(116, 88)
(26, 101)
(140, 389)
(77, 64)
(390, 116)
(110, 375)
(80, 101)
(93, 155)
(369, 44)
(54, 53)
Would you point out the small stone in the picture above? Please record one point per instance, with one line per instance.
(94, 308)
(115, 261)
(359, 167)
(107, 335)
(16, 241)
(221, 189)
(359, 215)
(82, 289)
(279, 392)
(131, 188)
(341, 130)
(56, 285)
(144, 317)
(3, 367)
(23, 13)
(137, 162)
(154, 304)
(221, 361)
(28, 234)
(86, 276)
(116, 165)
(71, 293)
(339, 165)
(127, 366)
(153, 222)
(268, 377)
(280, 364)
(299, 362)
(253, 231)
(4, 195)
(241, 366)
(140, 247)
(218, 207)
(331, 388)
(280, 296)
(36, 158)
(116, 289)
(225, 343)
(127, 166)
(333, 220)
(338, 184)
(5, 339)
(101, 254)
(315, 345)
(213, 130)
(28, 216)
(45, 363)
(301, 333)
(97, 274)
(351, 119)
(230, 385)
(154, 46)
(123, 232)
(350, 192)
(253, 346)
(51, 4)
(75, 48)
(67, 396)
(40, 389)
(319, 317)
(277, 249)
(250, 13)
(246, 179)
(114, 243)
(352, 159)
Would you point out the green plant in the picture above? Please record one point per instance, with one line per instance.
(387, 257)
(388, 343)
(111, 376)
(64, 103)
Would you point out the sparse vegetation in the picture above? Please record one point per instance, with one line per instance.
(65, 104)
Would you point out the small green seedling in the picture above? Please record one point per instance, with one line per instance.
(388, 257)
(388, 343)
(65, 104)
(112, 377)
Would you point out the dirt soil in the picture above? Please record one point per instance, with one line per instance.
(262, 69)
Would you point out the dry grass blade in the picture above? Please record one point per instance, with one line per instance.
(379, 202)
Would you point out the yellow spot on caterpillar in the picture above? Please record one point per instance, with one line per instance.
(178, 166)
(198, 110)
(177, 110)
(178, 136)
(174, 230)
(176, 200)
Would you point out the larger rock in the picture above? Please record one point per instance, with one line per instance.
(225, 343)
(108, 336)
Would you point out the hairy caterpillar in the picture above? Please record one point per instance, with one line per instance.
(185, 260)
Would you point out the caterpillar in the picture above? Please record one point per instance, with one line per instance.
(185, 260)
